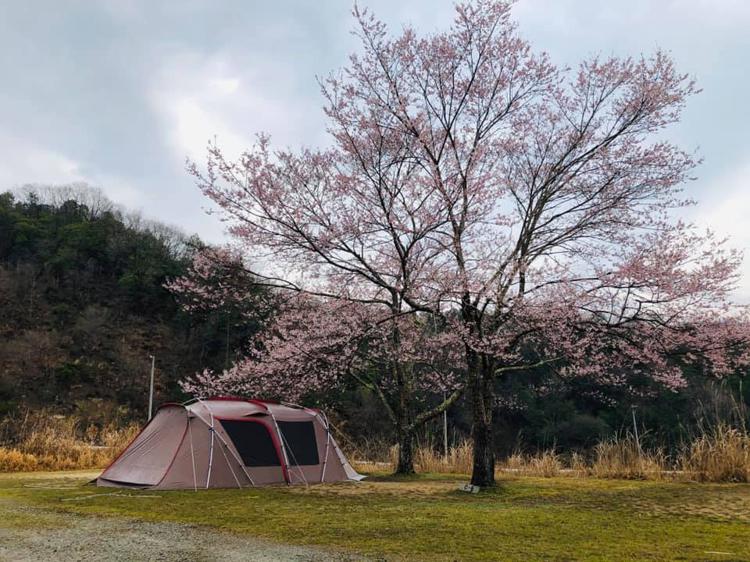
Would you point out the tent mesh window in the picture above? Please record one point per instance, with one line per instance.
(253, 442)
(299, 438)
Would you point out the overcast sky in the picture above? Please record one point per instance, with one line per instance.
(119, 92)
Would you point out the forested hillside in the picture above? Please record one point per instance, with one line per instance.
(83, 306)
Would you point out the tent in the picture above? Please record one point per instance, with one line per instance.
(228, 442)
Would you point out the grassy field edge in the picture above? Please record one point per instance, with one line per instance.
(427, 518)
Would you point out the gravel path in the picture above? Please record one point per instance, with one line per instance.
(65, 537)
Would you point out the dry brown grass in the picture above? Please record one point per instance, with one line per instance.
(368, 455)
(43, 441)
(623, 457)
(458, 461)
(546, 464)
(13, 460)
(721, 455)
(578, 465)
(543, 463)
(426, 458)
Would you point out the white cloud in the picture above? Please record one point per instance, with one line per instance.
(671, 17)
(25, 162)
(201, 98)
(151, 83)
(120, 190)
(227, 85)
(730, 216)
(193, 124)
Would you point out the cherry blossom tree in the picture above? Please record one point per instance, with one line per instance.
(522, 205)
(216, 278)
(315, 345)
(217, 283)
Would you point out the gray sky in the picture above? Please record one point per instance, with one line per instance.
(119, 92)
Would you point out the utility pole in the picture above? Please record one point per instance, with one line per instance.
(635, 427)
(151, 389)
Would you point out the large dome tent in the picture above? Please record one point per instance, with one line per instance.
(229, 442)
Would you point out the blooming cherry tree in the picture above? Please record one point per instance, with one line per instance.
(519, 204)
(216, 279)
(314, 345)
(217, 282)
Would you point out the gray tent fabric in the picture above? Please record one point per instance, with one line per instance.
(228, 442)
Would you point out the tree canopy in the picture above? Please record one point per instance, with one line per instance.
(532, 210)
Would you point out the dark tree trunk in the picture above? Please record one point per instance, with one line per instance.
(482, 390)
(405, 453)
(404, 408)
(483, 472)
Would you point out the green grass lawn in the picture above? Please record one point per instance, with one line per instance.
(427, 518)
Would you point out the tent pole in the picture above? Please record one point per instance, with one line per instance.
(230, 466)
(212, 431)
(220, 438)
(192, 453)
(281, 441)
(328, 446)
(300, 470)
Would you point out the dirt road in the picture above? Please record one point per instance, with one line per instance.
(64, 537)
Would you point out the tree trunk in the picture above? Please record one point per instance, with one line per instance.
(405, 453)
(482, 390)
(483, 472)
